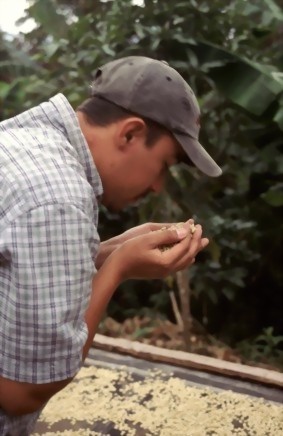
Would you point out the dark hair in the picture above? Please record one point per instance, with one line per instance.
(101, 112)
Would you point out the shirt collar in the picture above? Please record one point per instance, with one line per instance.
(78, 141)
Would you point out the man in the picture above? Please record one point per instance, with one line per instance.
(56, 166)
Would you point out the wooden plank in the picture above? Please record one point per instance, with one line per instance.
(188, 360)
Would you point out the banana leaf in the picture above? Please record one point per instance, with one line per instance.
(246, 83)
(45, 13)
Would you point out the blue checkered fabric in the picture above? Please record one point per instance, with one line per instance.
(49, 192)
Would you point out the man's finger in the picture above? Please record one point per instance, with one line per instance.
(158, 226)
(195, 241)
(165, 236)
(204, 243)
(188, 259)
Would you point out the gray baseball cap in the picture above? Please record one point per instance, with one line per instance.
(154, 90)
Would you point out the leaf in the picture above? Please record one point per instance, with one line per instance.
(45, 13)
(229, 293)
(277, 13)
(155, 43)
(241, 80)
(178, 20)
(142, 332)
(17, 59)
(278, 117)
(4, 90)
(212, 295)
(107, 50)
(212, 64)
(215, 251)
(193, 60)
(52, 48)
(235, 279)
(139, 29)
(273, 197)
(183, 39)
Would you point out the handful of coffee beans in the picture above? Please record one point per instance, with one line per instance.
(173, 227)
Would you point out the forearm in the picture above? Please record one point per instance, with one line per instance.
(20, 398)
(104, 284)
(105, 249)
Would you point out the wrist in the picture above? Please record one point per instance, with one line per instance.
(117, 265)
(113, 267)
(105, 250)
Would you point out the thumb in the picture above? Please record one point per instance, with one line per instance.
(167, 236)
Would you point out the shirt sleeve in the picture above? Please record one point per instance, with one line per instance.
(46, 270)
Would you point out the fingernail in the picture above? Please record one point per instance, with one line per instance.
(181, 232)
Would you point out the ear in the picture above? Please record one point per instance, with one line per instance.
(130, 131)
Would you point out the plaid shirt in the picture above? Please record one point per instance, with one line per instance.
(49, 189)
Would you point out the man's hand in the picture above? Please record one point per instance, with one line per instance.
(143, 229)
(141, 257)
(107, 247)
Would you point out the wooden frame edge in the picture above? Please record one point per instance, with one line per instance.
(188, 360)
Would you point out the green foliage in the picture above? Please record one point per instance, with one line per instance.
(263, 347)
(231, 54)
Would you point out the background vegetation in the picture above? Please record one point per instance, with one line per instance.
(231, 54)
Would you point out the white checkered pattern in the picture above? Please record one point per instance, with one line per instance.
(49, 189)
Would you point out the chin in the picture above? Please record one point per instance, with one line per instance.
(112, 207)
(115, 207)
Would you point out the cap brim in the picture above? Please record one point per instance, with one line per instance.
(198, 155)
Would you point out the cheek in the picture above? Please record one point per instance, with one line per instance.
(147, 175)
(151, 167)
(142, 172)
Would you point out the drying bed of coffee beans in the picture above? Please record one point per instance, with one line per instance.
(115, 402)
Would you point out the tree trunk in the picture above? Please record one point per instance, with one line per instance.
(185, 294)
